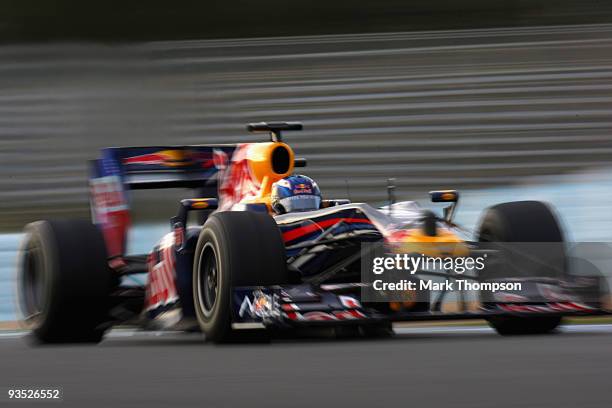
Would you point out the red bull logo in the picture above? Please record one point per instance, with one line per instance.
(173, 158)
(236, 179)
(168, 158)
(302, 189)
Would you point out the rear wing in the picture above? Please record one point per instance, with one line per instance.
(162, 166)
(121, 169)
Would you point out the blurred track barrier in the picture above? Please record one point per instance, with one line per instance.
(8, 256)
(466, 109)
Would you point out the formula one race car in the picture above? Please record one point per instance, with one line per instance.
(242, 268)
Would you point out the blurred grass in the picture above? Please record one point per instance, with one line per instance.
(112, 20)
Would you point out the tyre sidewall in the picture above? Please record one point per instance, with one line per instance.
(516, 222)
(249, 251)
(77, 281)
(217, 322)
(37, 239)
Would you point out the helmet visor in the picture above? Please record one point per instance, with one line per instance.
(300, 203)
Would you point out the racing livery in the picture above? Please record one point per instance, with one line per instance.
(244, 268)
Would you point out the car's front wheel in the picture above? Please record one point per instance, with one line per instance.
(527, 224)
(235, 248)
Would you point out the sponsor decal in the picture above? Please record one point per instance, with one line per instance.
(110, 212)
(237, 182)
(263, 306)
(161, 288)
(318, 316)
(349, 302)
(107, 196)
(171, 158)
(220, 159)
(314, 226)
(289, 307)
(179, 234)
(302, 188)
(564, 307)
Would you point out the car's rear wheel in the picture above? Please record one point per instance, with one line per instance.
(235, 248)
(64, 281)
(525, 222)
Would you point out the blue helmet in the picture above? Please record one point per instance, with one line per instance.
(295, 193)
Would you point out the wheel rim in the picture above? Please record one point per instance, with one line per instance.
(33, 284)
(208, 279)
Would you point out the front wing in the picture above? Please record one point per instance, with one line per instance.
(307, 305)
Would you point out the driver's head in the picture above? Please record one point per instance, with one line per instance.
(295, 193)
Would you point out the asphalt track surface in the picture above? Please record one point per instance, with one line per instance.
(431, 367)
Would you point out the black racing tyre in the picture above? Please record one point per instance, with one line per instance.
(513, 326)
(377, 331)
(525, 221)
(520, 221)
(235, 248)
(64, 281)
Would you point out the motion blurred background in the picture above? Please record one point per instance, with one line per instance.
(503, 100)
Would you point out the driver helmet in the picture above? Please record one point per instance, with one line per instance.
(295, 193)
